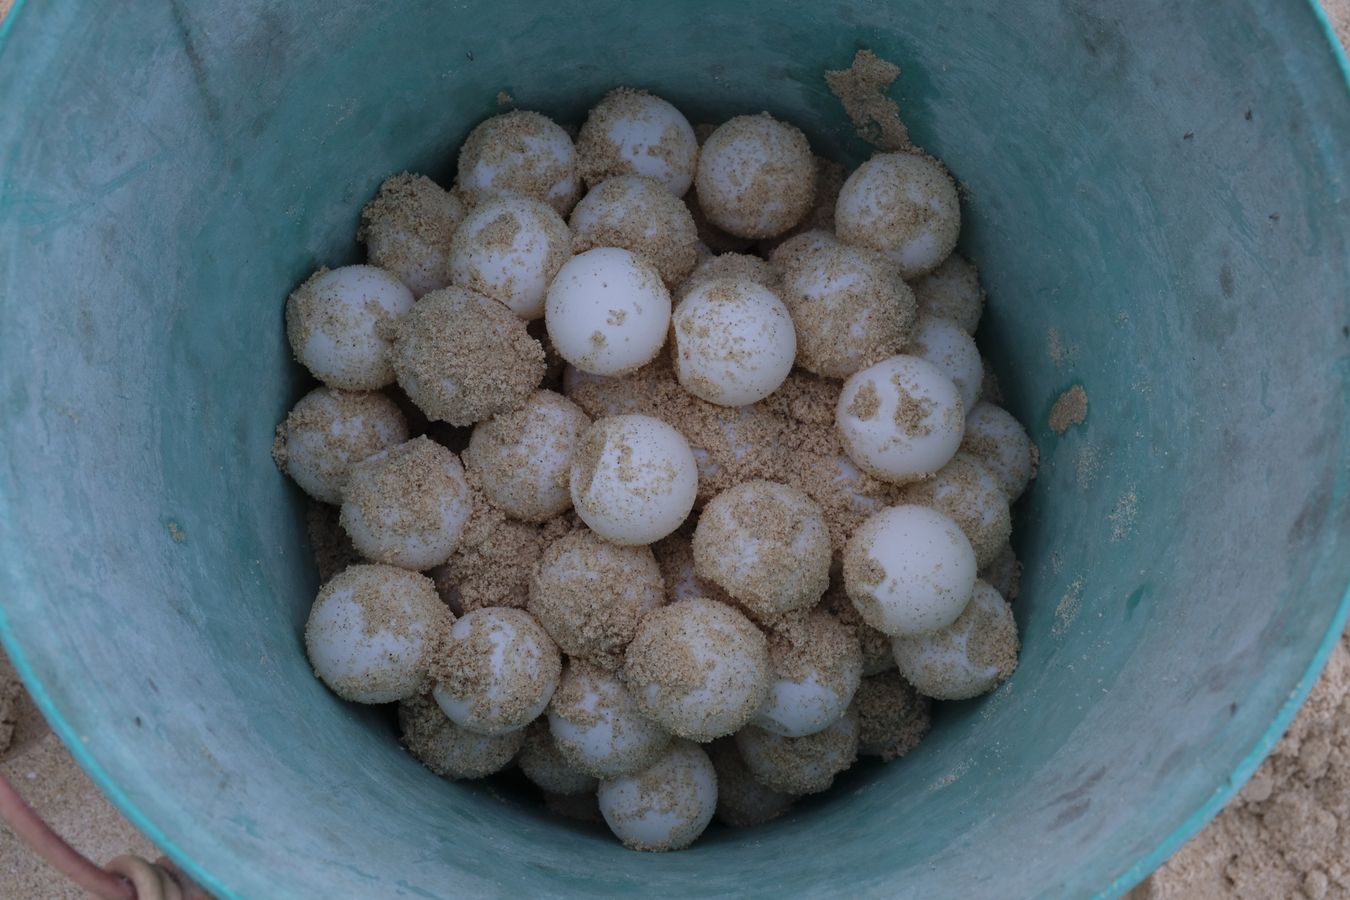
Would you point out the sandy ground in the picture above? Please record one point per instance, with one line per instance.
(1286, 835)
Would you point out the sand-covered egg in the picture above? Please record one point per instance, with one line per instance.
(969, 657)
(329, 431)
(632, 132)
(767, 545)
(543, 763)
(733, 341)
(892, 717)
(497, 672)
(520, 152)
(875, 646)
(741, 800)
(994, 437)
(449, 750)
(522, 459)
(756, 177)
(510, 248)
(638, 214)
(952, 291)
(665, 806)
(597, 725)
(1004, 573)
(607, 311)
(341, 325)
(462, 357)
(903, 205)
(740, 266)
(590, 594)
(909, 569)
(967, 491)
(698, 668)
(800, 765)
(944, 344)
(633, 479)
(815, 667)
(407, 229)
(372, 632)
(406, 506)
(901, 420)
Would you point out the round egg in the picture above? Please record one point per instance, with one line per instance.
(1004, 573)
(904, 206)
(741, 800)
(462, 357)
(341, 325)
(633, 479)
(639, 215)
(849, 305)
(699, 668)
(667, 805)
(999, 441)
(596, 724)
(909, 569)
(944, 344)
(498, 671)
(522, 459)
(952, 291)
(590, 594)
(800, 765)
(830, 177)
(969, 657)
(815, 665)
(543, 763)
(892, 717)
(520, 152)
(407, 230)
(901, 420)
(449, 750)
(372, 632)
(329, 431)
(968, 492)
(767, 545)
(632, 132)
(733, 342)
(509, 248)
(407, 506)
(790, 251)
(607, 311)
(875, 646)
(739, 266)
(756, 177)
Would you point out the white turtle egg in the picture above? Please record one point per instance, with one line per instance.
(631, 132)
(607, 311)
(498, 672)
(510, 248)
(944, 344)
(340, 323)
(597, 726)
(815, 666)
(520, 152)
(999, 441)
(523, 459)
(329, 431)
(667, 805)
(969, 657)
(903, 205)
(633, 479)
(733, 342)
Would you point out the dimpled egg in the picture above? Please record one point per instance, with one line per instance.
(372, 631)
(767, 545)
(449, 750)
(522, 459)
(607, 311)
(407, 506)
(638, 214)
(741, 800)
(667, 805)
(341, 323)
(968, 492)
(800, 765)
(952, 291)
(900, 420)
(698, 668)
(633, 479)
(999, 441)
(632, 132)
(509, 248)
(543, 763)
(520, 152)
(969, 657)
(407, 230)
(756, 177)
(597, 726)
(733, 342)
(329, 431)
(815, 667)
(498, 671)
(904, 206)
(944, 344)
(909, 569)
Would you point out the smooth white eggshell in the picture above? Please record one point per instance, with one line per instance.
(329, 431)
(901, 420)
(607, 311)
(946, 345)
(500, 671)
(997, 439)
(510, 248)
(597, 725)
(633, 479)
(372, 630)
(909, 569)
(733, 342)
(665, 806)
(632, 132)
(969, 657)
(340, 324)
(904, 206)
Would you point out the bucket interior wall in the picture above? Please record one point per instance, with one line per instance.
(1158, 197)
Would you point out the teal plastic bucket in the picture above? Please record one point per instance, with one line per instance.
(1159, 200)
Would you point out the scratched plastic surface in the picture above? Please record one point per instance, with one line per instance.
(1166, 186)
